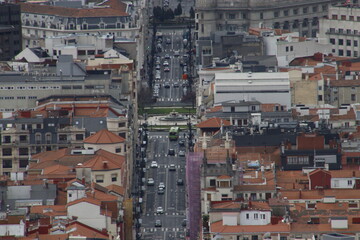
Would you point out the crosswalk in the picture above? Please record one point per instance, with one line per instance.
(164, 229)
(166, 166)
(166, 214)
(168, 99)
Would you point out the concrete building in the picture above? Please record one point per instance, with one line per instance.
(301, 16)
(10, 31)
(287, 46)
(341, 29)
(263, 87)
(40, 21)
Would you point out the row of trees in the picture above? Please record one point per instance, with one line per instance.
(162, 14)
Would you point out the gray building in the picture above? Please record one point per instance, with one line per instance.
(228, 15)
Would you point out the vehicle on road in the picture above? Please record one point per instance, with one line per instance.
(158, 67)
(167, 85)
(174, 135)
(181, 153)
(166, 69)
(162, 185)
(166, 63)
(167, 56)
(157, 85)
(176, 85)
(154, 164)
(182, 143)
(150, 182)
(171, 152)
(159, 210)
(158, 223)
(180, 182)
(172, 167)
(176, 53)
(161, 190)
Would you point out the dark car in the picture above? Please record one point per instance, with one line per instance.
(171, 152)
(158, 223)
(180, 182)
(182, 143)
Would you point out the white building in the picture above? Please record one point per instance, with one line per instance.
(288, 46)
(263, 87)
(341, 30)
(80, 46)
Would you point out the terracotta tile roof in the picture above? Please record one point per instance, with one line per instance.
(101, 196)
(320, 194)
(322, 228)
(344, 83)
(103, 163)
(85, 199)
(214, 109)
(104, 137)
(84, 230)
(218, 227)
(319, 170)
(56, 169)
(227, 205)
(349, 115)
(53, 210)
(117, 189)
(213, 123)
(346, 173)
(111, 8)
(223, 177)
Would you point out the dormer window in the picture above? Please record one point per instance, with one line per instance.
(311, 206)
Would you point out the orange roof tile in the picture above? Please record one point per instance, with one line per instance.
(101, 196)
(117, 189)
(52, 210)
(104, 137)
(56, 169)
(213, 123)
(223, 177)
(218, 227)
(85, 199)
(102, 163)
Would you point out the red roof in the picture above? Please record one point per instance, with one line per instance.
(103, 163)
(104, 137)
(213, 123)
(86, 199)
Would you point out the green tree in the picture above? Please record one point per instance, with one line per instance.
(169, 14)
(192, 13)
(179, 9)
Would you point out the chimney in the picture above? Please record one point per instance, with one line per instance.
(105, 164)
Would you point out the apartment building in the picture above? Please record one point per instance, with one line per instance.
(10, 31)
(300, 16)
(40, 21)
(340, 28)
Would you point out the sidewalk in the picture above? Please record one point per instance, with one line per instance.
(155, 121)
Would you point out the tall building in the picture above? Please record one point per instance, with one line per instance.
(10, 31)
(238, 15)
(341, 30)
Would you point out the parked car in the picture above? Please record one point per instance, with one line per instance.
(158, 223)
(180, 182)
(154, 164)
(181, 153)
(159, 210)
(150, 182)
(172, 167)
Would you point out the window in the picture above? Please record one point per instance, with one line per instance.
(295, 11)
(6, 151)
(286, 13)
(99, 178)
(348, 42)
(23, 138)
(355, 53)
(256, 216)
(23, 163)
(114, 177)
(348, 31)
(341, 52)
(122, 125)
(353, 97)
(262, 216)
(334, 17)
(332, 41)
(79, 137)
(305, 10)
(232, 16)
(23, 151)
(7, 139)
(343, 17)
(118, 150)
(341, 30)
(247, 216)
(348, 53)
(212, 182)
(7, 164)
(315, 9)
(355, 43)
(341, 41)
(320, 98)
(286, 49)
(261, 16)
(276, 14)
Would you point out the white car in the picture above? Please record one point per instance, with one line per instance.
(150, 182)
(159, 210)
(154, 164)
(161, 185)
(172, 167)
(166, 63)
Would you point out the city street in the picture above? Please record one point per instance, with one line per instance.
(169, 87)
(172, 200)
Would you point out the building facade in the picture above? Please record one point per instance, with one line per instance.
(300, 16)
(10, 31)
(340, 29)
(109, 17)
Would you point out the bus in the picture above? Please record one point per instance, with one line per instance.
(174, 133)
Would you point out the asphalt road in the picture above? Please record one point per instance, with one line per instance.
(172, 86)
(173, 199)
